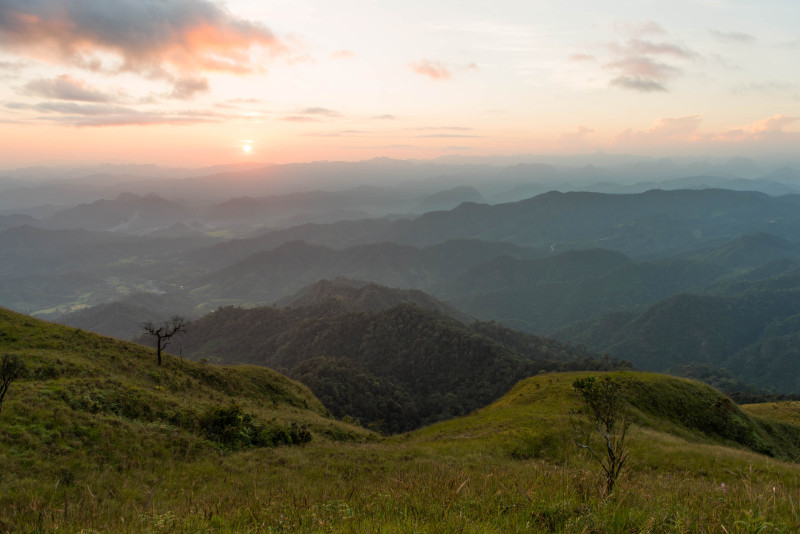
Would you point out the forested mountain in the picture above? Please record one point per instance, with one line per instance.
(545, 294)
(366, 296)
(128, 212)
(397, 368)
(754, 335)
(277, 273)
(122, 319)
(750, 251)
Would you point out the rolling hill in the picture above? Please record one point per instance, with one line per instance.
(95, 436)
(418, 365)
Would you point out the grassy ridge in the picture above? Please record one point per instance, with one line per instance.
(75, 458)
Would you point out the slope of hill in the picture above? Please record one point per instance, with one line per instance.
(441, 367)
(685, 408)
(96, 437)
(122, 319)
(128, 212)
(93, 411)
(754, 335)
(545, 294)
(750, 251)
(277, 273)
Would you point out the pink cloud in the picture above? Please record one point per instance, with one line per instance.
(432, 69)
(343, 54)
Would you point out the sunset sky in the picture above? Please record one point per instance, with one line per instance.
(196, 82)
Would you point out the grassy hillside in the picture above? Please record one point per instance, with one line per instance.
(93, 414)
(89, 442)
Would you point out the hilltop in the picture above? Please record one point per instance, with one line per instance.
(397, 367)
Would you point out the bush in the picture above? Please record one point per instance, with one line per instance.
(234, 429)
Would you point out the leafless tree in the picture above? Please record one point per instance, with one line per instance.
(163, 332)
(11, 368)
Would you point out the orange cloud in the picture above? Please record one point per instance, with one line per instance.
(431, 69)
(776, 123)
(173, 40)
(343, 54)
(665, 130)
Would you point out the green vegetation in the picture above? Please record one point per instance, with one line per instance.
(11, 368)
(752, 334)
(604, 411)
(96, 437)
(394, 369)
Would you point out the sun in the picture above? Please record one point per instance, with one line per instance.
(247, 148)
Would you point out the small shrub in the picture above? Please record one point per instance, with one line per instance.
(235, 429)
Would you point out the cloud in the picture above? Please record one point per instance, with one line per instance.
(639, 47)
(11, 65)
(343, 54)
(312, 114)
(641, 65)
(173, 40)
(432, 69)
(772, 132)
(299, 118)
(320, 111)
(65, 87)
(341, 133)
(96, 115)
(384, 117)
(732, 37)
(776, 123)
(664, 130)
(581, 57)
(643, 28)
(777, 132)
(642, 85)
(453, 128)
(238, 103)
(581, 133)
(643, 68)
(445, 136)
(187, 88)
(767, 87)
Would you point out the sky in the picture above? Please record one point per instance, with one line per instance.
(199, 82)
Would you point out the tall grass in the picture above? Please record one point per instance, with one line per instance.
(93, 440)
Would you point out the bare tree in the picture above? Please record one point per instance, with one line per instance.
(11, 368)
(163, 332)
(603, 409)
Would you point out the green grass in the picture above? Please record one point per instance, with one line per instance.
(786, 411)
(96, 439)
